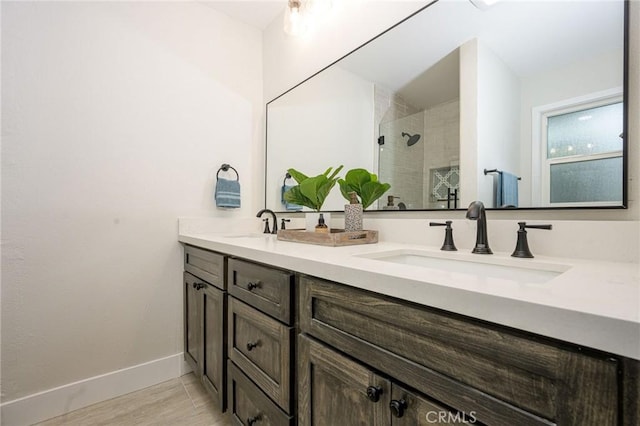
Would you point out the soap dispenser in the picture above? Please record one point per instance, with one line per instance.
(390, 205)
(321, 226)
(353, 214)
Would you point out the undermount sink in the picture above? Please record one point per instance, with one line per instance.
(519, 270)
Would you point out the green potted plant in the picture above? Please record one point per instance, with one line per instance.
(312, 192)
(364, 184)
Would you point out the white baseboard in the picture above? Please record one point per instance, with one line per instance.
(64, 399)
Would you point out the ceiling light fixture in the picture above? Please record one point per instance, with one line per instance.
(295, 18)
(301, 15)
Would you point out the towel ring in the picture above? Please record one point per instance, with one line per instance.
(286, 176)
(225, 168)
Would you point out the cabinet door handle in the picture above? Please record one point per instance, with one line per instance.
(251, 345)
(397, 407)
(199, 286)
(373, 393)
(252, 420)
(253, 285)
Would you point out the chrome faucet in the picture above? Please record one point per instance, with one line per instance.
(275, 221)
(476, 212)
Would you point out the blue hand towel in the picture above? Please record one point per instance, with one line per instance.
(227, 193)
(288, 206)
(506, 191)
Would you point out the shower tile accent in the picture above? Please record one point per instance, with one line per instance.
(443, 179)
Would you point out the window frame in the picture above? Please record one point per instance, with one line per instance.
(542, 164)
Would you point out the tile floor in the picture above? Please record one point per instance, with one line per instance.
(181, 401)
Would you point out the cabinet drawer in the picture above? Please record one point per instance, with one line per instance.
(248, 405)
(505, 377)
(261, 347)
(264, 288)
(206, 265)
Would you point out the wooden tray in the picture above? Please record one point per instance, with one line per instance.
(337, 237)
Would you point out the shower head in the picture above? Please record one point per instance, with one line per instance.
(412, 139)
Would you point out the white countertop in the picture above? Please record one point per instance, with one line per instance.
(595, 304)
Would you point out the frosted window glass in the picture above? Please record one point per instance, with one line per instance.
(587, 181)
(590, 131)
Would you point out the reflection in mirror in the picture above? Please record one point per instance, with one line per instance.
(423, 174)
(532, 91)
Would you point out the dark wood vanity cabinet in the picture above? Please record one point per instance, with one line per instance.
(449, 368)
(345, 356)
(205, 320)
(261, 336)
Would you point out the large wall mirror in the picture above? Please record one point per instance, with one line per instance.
(519, 105)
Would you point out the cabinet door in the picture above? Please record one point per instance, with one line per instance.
(410, 409)
(214, 344)
(193, 321)
(334, 390)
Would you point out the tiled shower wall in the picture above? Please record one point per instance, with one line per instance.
(409, 168)
(442, 149)
(400, 165)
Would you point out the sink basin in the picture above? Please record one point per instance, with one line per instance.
(486, 266)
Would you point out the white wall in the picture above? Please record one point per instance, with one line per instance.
(490, 107)
(306, 135)
(115, 118)
(498, 120)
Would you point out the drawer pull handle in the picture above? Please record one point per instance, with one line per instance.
(199, 286)
(398, 407)
(252, 420)
(373, 393)
(253, 285)
(252, 345)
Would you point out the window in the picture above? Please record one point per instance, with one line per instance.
(582, 154)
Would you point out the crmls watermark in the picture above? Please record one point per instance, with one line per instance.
(444, 417)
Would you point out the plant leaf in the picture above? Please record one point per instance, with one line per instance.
(371, 191)
(345, 189)
(323, 191)
(356, 178)
(335, 173)
(294, 195)
(311, 191)
(309, 188)
(297, 176)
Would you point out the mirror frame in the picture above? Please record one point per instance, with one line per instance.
(625, 127)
